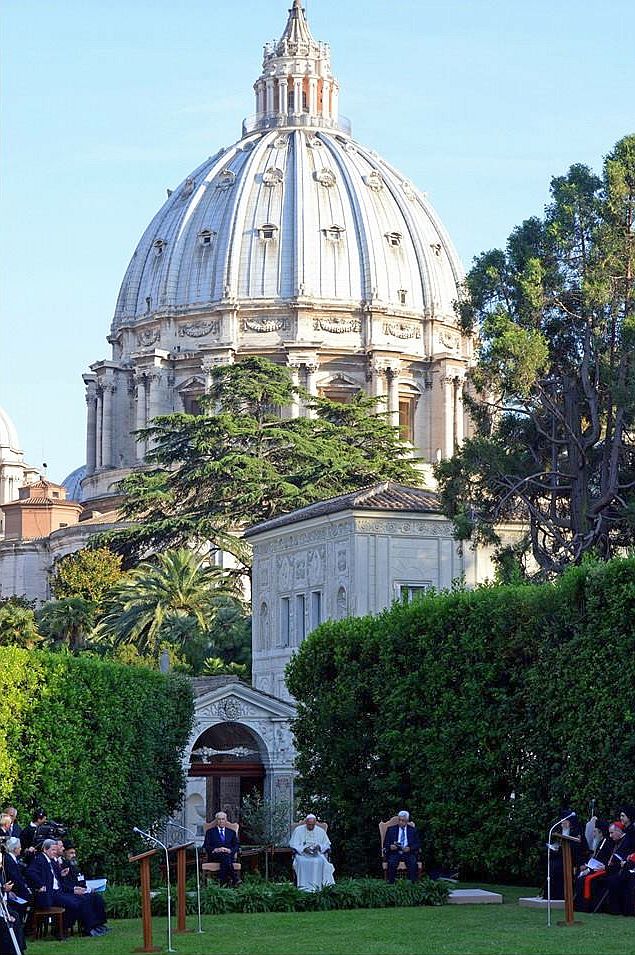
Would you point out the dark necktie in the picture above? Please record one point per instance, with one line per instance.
(222, 834)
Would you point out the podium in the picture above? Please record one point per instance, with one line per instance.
(567, 875)
(181, 861)
(143, 858)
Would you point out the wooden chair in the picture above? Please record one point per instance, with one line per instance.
(213, 868)
(41, 919)
(401, 867)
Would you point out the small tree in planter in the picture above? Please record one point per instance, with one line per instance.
(267, 822)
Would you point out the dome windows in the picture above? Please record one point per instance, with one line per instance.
(325, 177)
(334, 233)
(226, 179)
(374, 181)
(267, 232)
(206, 237)
(159, 246)
(272, 176)
(394, 239)
(402, 295)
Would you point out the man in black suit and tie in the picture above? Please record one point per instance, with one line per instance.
(15, 828)
(401, 844)
(45, 878)
(221, 845)
(18, 893)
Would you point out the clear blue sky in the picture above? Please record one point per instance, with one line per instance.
(107, 103)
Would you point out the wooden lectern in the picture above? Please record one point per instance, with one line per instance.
(181, 862)
(143, 858)
(567, 875)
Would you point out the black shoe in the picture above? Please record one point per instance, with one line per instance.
(95, 933)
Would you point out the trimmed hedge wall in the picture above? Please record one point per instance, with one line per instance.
(123, 901)
(97, 744)
(483, 712)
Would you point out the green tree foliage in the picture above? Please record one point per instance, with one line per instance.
(86, 573)
(172, 599)
(240, 463)
(554, 387)
(67, 622)
(482, 711)
(96, 743)
(17, 623)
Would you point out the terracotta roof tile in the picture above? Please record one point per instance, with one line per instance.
(387, 496)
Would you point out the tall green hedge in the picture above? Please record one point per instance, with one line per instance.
(98, 744)
(482, 711)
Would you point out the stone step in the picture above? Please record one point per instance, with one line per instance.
(474, 897)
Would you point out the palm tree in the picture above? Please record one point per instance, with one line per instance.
(168, 599)
(17, 626)
(66, 622)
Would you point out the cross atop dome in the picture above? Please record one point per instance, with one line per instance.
(296, 86)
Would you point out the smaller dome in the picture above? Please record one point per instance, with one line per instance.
(8, 434)
(72, 484)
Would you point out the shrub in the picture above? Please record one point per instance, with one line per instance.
(483, 711)
(98, 744)
(123, 901)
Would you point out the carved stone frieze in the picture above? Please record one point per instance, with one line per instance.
(412, 528)
(199, 329)
(264, 325)
(337, 326)
(402, 329)
(449, 339)
(149, 336)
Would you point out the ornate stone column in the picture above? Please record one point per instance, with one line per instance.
(297, 96)
(458, 412)
(392, 376)
(99, 424)
(269, 84)
(282, 94)
(311, 368)
(448, 416)
(91, 427)
(140, 414)
(108, 391)
(313, 95)
(294, 371)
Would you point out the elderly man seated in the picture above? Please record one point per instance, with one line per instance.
(402, 844)
(310, 844)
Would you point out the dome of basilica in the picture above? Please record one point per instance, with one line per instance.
(9, 440)
(292, 212)
(296, 243)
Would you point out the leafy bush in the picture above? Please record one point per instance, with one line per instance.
(97, 744)
(483, 711)
(123, 901)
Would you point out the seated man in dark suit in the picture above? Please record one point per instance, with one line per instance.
(221, 845)
(401, 844)
(44, 875)
(74, 883)
(17, 892)
(27, 836)
(15, 828)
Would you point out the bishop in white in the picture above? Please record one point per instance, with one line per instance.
(310, 844)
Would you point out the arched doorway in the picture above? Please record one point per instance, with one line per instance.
(227, 763)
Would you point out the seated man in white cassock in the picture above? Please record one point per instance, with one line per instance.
(310, 844)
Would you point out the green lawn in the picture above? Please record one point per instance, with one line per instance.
(448, 930)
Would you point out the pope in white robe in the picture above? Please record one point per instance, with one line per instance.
(312, 868)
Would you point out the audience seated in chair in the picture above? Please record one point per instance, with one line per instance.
(222, 847)
(311, 845)
(400, 847)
